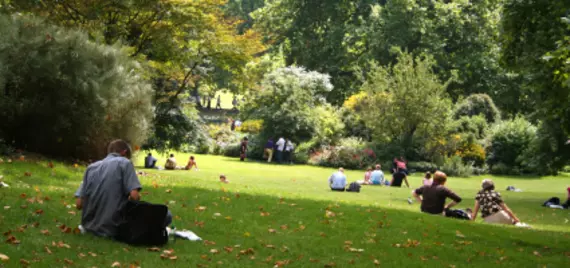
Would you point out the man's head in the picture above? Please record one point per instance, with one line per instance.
(245, 139)
(341, 170)
(378, 167)
(439, 178)
(120, 147)
(149, 154)
(171, 155)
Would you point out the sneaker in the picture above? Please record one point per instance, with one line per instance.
(522, 225)
(410, 201)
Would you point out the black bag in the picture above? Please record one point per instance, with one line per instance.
(354, 187)
(143, 224)
(457, 214)
(551, 201)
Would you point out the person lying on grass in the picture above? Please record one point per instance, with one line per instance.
(493, 209)
(107, 187)
(398, 177)
(432, 197)
(337, 181)
(191, 163)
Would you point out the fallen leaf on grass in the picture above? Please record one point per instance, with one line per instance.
(356, 249)
(459, 234)
(45, 232)
(200, 209)
(24, 262)
(228, 249)
(68, 261)
(173, 258)
(214, 251)
(272, 231)
(376, 262)
(209, 243)
(92, 254)
(536, 253)
(48, 251)
(168, 191)
(27, 174)
(39, 211)
(284, 227)
(270, 246)
(154, 249)
(264, 214)
(81, 255)
(116, 264)
(12, 240)
(330, 264)
(4, 257)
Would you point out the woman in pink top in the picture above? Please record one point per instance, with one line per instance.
(427, 181)
(367, 175)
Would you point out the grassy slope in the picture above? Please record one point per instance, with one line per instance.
(377, 220)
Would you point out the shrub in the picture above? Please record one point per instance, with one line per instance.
(421, 166)
(476, 126)
(66, 96)
(304, 151)
(507, 143)
(232, 150)
(251, 126)
(454, 166)
(472, 153)
(478, 104)
(350, 153)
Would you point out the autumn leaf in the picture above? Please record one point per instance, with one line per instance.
(68, 261)
(459, 234)
(39, 211)
(270, 246)
(116, 264)
(93, 254)
(272, 231)
(200, 209)
(81, 255)
(228, 249)
(209, 243)
(154, 249)
(376, 262)
(24, 262)
(168, 191)
(284, 227)
(264, 214)
(214, 251)
(45, 232)
(48, 251)
(4, 257)
(536, 253)
(27, 174)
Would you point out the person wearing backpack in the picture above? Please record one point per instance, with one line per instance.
(110, 193)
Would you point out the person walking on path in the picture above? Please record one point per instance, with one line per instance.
(289, 151)
(268, 151)
(243, 149)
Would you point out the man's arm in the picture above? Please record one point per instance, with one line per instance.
(417, 194)
(131, 183)
(456, 199)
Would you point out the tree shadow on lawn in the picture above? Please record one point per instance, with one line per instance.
(299, 232)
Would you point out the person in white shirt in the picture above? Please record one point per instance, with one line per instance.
(280, 147)
(289, 152)
(337, 181)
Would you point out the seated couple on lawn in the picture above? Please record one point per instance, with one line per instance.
(376, 177)
(493, 210)
(109, 200)
(171, 164)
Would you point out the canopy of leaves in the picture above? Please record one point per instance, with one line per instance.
(478, 104)
(65, 96)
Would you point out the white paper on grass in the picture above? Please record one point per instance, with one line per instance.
(189, 235)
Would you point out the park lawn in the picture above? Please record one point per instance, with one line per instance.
(280, 213)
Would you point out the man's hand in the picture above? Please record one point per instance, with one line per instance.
(78, 203)
(135, 195)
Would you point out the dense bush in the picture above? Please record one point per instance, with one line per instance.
(474, 126)
(292, 104)
(304, 151)
(478, 104)
(507, 143)
(548, 152)
(422, 166)
(454, 166)
(65, 96)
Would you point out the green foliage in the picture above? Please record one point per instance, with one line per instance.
(421, 166)
(405, 103)
(349, 153)
(475, 127)
(477, 104)
(292, 105)
(80, 95)
(548, 152)
(507, 143)
(454, 166)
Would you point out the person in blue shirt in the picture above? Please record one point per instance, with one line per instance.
(377, 176)
(337, 180)
(149, 161)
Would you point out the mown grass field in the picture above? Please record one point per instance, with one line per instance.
(270, 215)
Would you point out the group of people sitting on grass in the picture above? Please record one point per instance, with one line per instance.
(433, 195)
(150, 162)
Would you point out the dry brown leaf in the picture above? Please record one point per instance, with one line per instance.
(48, 251)
(68, 261)
(209, 243)
(269, 246)
(27, 174)
(168, 191)
(376, 262)
(536, 253)
(66, 230)
(92, 254)
(116, 264)
(173, 258)
(24, 262)
(228, 249)
(4, 257)
(154, 249)
(264, 214)
(81, 255)
(214, 251)
(168, 251)
(45, 232)
(39, 211)
(459, 234)
(272, 231)
(284, 227)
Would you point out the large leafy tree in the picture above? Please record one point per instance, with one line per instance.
(405, 103)
(184, 42)
(535, 45)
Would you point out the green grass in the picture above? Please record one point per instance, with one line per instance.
(378, 220)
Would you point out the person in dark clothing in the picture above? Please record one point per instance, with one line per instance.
(432, 197)
(399, 177)
(268, 151)
(243, 149)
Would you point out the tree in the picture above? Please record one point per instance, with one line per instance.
(478, 104)
(184, 43)
(292, 105)
(406, 101)
(65, 96)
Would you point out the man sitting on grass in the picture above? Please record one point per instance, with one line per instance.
(337, 180)
(432, 197)
(377, 176)
(107, 187)
(149, 161)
